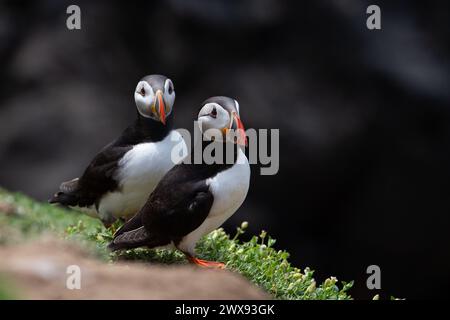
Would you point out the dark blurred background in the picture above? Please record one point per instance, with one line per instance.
(364, 116)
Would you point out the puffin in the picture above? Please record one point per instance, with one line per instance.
(193, 199)
(119, 179)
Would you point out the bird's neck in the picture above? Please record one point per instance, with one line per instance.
(151, 129)
(223, 153)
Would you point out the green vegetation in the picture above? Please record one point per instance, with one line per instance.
(257, 259)
(6, 291)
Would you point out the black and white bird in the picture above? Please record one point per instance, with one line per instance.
(120, 178)
(194, 199)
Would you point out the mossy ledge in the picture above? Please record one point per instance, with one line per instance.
(23, 218)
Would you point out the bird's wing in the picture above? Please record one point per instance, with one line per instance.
(130, 239)
(134, 223)
(69, 186)
(179, 204)
(97, 179)
(99, 176)
(177, 219)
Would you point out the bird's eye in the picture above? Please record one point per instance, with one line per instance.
(214, 112)
(170, 89)
(143, 91)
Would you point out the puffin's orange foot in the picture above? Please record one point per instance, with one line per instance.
(206, 263)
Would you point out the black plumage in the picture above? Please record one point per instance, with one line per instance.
(99, 176)
(179, 204)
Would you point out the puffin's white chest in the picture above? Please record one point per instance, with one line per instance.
(229, 189)
(139, 172)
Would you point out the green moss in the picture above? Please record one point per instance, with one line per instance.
(256, 259)
(7, 292)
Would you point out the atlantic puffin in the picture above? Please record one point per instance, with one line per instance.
(122, 175)
(194, 199)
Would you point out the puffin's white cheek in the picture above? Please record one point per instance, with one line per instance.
(201, 124)
(143, 104)
(136, 97)
(139, 101)
(205, 124)
(170, 101)
(223, 122)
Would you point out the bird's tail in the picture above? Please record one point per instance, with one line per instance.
(131, 239)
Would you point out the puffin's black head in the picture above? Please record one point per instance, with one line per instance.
(222, 113)
(154, 96)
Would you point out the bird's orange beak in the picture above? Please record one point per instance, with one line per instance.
(160, 107)
(237, 125)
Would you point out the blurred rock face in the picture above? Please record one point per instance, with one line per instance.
(363, 115)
